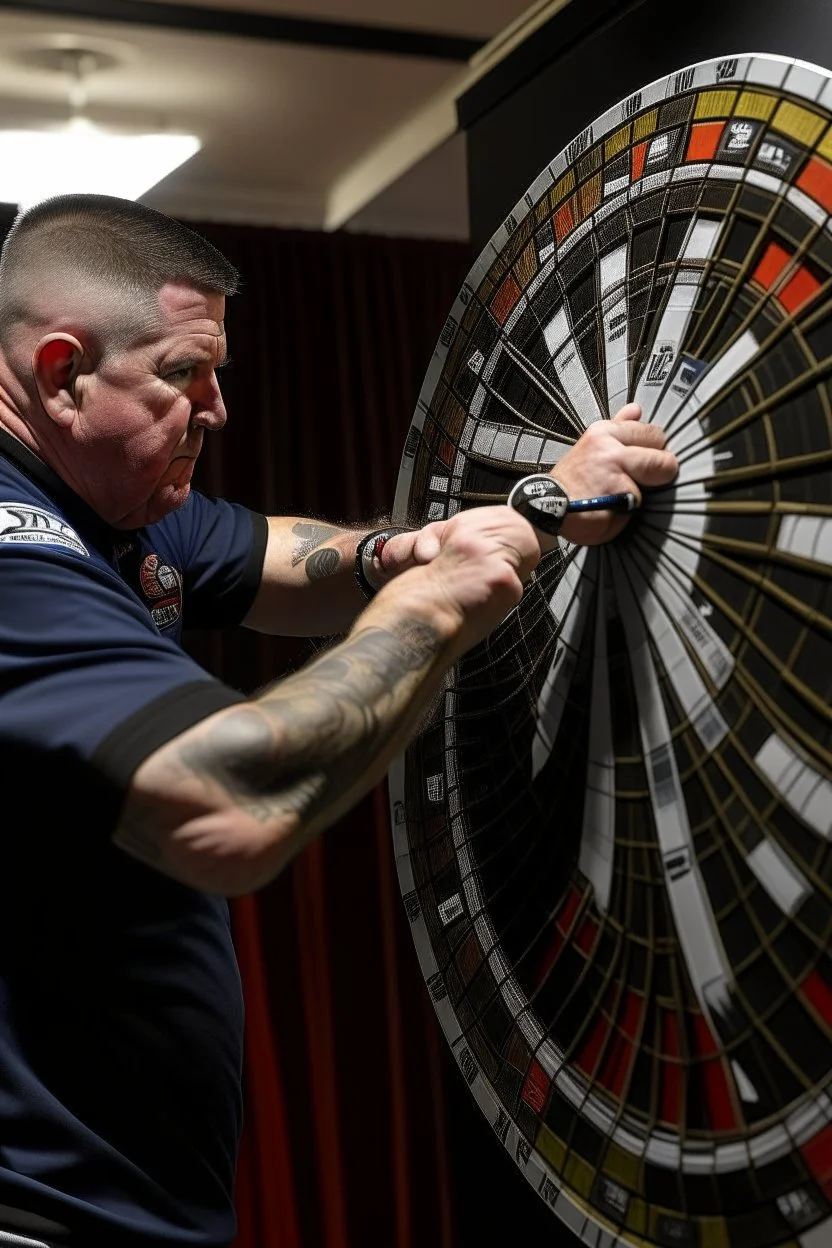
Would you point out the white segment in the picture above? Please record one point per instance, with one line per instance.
(807, 536)
(699, 245)
(806, 80)
(705, 957)
(801, 787)
(613, 268)
(570, 369)
(745, 1087)
(504, 442)
(819, 1237)
(598, 831)
(766, 180)
(569, 605)
(681, 671)
(719, 375)
(805, 204)
(702, 239)
(613, 273)
(784, 883)
(616, 184)
(707, 645)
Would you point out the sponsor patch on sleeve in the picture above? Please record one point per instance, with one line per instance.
(21, 524)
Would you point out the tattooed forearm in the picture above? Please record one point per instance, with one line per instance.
(308, 537)
(228, 804)
(310, 738)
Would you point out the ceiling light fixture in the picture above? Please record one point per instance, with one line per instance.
(81, 157)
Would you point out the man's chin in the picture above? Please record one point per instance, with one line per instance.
(167, 498)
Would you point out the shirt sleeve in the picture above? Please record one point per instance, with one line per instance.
(89, 686)
(222, 547)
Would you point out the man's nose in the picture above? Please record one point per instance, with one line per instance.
(208, 409)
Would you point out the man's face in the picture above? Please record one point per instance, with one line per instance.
(142, 413)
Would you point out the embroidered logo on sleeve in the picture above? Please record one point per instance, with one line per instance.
(21, 524)
(162, 588)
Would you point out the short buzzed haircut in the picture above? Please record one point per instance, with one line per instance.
(122, 249)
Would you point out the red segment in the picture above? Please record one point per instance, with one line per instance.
(639, 154)
(564, 220)
(505, 299)
(775, 258)
(447, 452)
(536, 1087)
(817, 1153)
(671, 1102)
(585, 935)
(818, 995)
(717, 1090)
(799, 289)
(589, 1054)
(816, 180)
(622, 1051)
(563, 926)
(704, 140)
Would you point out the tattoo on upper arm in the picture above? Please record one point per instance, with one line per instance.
(322, 563)
(308, 537)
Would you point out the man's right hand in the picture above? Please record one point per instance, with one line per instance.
(478, 561)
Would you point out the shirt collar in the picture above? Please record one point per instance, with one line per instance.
(81, 515)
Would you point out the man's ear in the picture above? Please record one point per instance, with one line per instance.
(55, 365)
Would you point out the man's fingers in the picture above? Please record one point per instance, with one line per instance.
(634, 433)
(630, 411)
(649, 466)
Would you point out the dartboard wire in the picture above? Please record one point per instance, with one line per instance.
(705, 956)
(739, 279)
(513, 411)
(539, 381)
(815, 372)
(759, 819)
(544, 387)
(765, 587)
(811, 618)
(766, 407)
(785, 327)
(563, 306)
(672, 282)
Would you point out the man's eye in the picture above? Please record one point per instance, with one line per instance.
(180, 375)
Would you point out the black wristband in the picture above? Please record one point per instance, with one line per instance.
(540, 500)
(368, 549)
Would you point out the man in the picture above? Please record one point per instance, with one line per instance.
(145, 791)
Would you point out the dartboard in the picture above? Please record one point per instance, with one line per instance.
(613, 834)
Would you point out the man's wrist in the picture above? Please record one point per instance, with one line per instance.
(368, 559)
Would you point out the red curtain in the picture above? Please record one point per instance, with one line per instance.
(345, 1135)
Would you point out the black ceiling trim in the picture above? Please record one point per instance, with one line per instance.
(267, 26)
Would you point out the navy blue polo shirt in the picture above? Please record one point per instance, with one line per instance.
(120, 1007)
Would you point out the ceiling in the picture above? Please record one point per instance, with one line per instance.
(302, 125)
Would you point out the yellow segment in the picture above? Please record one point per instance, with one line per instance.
(825, 145)
(637, 1217)
(562, 188)
(714, 1233)
(550, 1147)
(714, 103)
(579, 1175)
(622, 1166)
(755, 104)
(798, 123)
(617, 142)
(644, 125)
(526, 266)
